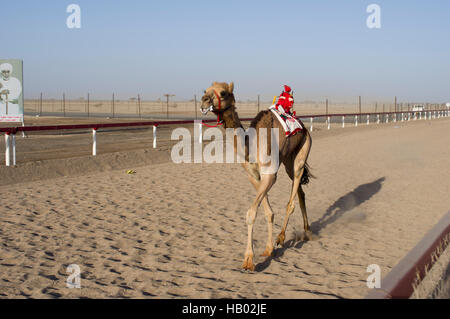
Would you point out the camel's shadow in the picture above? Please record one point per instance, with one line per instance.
(344, 204)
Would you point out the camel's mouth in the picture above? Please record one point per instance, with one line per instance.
(206, 110)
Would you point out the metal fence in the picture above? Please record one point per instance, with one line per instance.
(165, 108)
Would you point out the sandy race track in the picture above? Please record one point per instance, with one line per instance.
(179, 230)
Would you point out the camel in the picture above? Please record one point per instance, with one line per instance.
(293, 153)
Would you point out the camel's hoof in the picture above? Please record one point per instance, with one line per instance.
(307, 235)
(268, 252)
(248, 263)
(280, 239)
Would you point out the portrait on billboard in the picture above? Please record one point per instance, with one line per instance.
(11, 91)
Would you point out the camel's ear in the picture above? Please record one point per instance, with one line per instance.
(231, 87)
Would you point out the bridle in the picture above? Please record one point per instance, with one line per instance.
(219, 111)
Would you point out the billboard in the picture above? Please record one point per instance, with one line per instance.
(11, 90)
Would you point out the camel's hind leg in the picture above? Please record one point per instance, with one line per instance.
(298, 166)
(264, 186)
(269, 218)
(301, 199)
(290, 207)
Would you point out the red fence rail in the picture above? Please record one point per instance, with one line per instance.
(400, 280)
(14, 130)
(10, 132)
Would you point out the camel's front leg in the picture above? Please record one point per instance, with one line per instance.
(269, 217)
(264, 186)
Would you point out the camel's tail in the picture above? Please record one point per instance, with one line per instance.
(306, 175)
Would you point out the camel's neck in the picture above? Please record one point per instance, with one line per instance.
(231, 119)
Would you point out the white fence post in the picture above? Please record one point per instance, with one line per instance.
(154, 136)
(402, 117)
(387, 118)
(343, 121)
(311, 127)
(356, 120)
(7, 151)
(23, 132)
(367, 119)
(13, 142)
(94, 142)
(200, 133)
(378, 118)
(328, 121)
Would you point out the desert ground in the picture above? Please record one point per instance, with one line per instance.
(178, 230)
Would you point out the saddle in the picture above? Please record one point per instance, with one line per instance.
(290, 124)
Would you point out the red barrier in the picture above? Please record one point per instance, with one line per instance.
(399, 282)
(14, 130)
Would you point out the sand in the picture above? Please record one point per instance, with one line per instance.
(179, 230)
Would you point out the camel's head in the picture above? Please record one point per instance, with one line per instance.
(218, 90)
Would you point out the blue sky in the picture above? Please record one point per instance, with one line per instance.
(321, 48)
